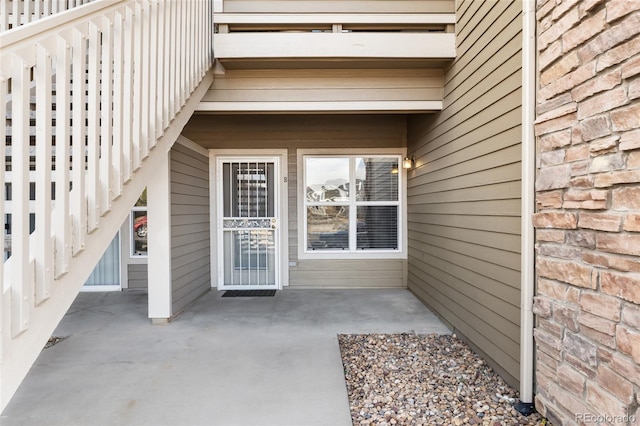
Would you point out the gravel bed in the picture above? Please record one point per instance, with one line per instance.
(416, 379)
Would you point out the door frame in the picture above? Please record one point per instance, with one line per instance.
(283, 206)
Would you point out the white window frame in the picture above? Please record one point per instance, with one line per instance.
(304, 253)
(132, 235)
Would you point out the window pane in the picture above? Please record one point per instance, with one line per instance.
(248, 189)
(139, 232)
(377, 178)
(377, 227)
(249, 257)
(327, 179)
(327, 227)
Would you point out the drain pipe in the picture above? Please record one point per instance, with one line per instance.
(525, 404)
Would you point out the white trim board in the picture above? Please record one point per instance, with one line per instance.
(401, 45)
(334, 18)
(360, 107)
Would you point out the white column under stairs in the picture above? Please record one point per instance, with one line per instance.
(159, 244)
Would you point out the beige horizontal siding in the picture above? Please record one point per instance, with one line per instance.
(491, 137)
(324, 95)
(190, 227)
(339, 78)
(488, 176)
(295, 132)
(329, 85)
(464, 193)
(347, 273)
(137, 276)
(472, 251)
(510, 207)
(467, 324)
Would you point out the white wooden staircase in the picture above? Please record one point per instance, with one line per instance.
(93, 98)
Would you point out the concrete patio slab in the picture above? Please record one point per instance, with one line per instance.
(225, 361)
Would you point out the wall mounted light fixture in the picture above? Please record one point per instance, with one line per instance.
(407, 163)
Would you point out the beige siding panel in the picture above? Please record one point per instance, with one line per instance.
(338, 78)
(464, 193)
(295, 131)
(190, 227)
(464, 267)
(460, 84)
(194, 218)
(255, 87)
(338, 6)
(475, 301)
(198, 280)
(504, 98)
(459, 139)
(186, 209)
(472, 19)
(477, 158)
(488, 322)
(137, 276)
(497, 23)
(485, 125)
(179, 178)
(479, 127)
(190, 158)
(507, 259)
(499, 174)
(306, 131)
(507, 224)
(479, 237)
(184, 168)
(198, 230)
(502, 362)
(191, 190)
(184, 199)
(189, 263)
(347, 273)
(466, 11)
(185, 239)
(193, 247)
(324, 95)
(488, 68)
(486, 192)
(499, 208)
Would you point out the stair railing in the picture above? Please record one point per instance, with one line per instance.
(14, 13)
(86, 94)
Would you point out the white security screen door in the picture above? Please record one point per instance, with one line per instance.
(248, 255)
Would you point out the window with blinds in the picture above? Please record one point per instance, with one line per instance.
(352, 203)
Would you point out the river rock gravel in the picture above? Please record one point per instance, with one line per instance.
(418, 379)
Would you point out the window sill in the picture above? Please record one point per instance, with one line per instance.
(344, 255)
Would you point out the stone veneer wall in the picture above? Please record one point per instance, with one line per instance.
(587, 222)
